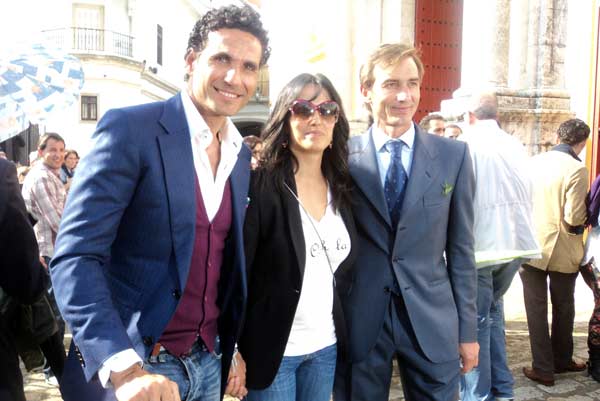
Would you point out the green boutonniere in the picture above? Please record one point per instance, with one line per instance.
(447, 188)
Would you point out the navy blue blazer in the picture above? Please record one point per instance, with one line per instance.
(126, 237)
(436, 218)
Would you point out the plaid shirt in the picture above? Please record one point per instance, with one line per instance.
(45, 197)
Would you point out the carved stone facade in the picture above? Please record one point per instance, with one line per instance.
(533, 116)
(535, 113)
(533, 105)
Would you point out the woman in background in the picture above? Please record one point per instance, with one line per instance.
(590, 271)
(300, 243)
(68, 168)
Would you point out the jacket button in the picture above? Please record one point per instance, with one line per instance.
(386, 289)
(176, 294)
(79, 357)
(148, 340)
(397, 259)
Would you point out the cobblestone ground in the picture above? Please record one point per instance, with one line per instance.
(568, 387)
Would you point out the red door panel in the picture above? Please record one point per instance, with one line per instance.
(438, 34)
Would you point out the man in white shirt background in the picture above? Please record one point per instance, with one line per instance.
(504, 235)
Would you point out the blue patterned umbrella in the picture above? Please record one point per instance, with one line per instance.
(33, 84)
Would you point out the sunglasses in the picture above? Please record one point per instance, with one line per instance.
(305, 109)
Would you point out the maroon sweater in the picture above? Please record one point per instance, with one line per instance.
(197, 311)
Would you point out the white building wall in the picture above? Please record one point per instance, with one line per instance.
(117, 81)
(177, 18)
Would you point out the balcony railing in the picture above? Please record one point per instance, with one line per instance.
(91, 40)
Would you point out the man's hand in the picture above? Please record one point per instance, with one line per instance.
(236, 382)
(469, 356)
(135, 384)
(43, 262)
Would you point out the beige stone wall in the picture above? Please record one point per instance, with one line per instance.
(534, 116)
(534, 101)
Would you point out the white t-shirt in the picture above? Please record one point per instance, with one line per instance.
(313, 327)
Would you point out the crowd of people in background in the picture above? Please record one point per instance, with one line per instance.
(189, 262)
(37, 325)
(436, 124)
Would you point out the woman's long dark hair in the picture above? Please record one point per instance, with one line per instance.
(278, 160)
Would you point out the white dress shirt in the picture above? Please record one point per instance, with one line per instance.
(380, 138)
(201, 137)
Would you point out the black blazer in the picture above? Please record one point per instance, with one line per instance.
(21, 274)
(275, 259)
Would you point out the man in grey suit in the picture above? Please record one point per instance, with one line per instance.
(413, 202)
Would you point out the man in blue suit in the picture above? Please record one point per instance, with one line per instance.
(149, 268)
(414, 288)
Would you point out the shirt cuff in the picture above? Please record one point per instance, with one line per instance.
(117, 363)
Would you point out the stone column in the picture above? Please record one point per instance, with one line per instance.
(398, 21)
(546, 42)
(536, 109)
(536, 102)
(519, 44)
(485, 54)
(496, 74)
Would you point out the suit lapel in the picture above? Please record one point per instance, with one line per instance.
(423, 170)
(365, 172)
(291, 208)
(178, 166)
(239, 181)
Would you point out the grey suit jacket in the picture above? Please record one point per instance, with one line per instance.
(436, 217)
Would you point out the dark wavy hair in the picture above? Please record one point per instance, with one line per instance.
(278, 160)
(229, 17)
(573, 131)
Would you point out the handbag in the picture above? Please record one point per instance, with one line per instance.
(32, 324)
(35, 322)
(29, 325)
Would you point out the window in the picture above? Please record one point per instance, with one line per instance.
(88, 27)
(159, 44)
(89, 108)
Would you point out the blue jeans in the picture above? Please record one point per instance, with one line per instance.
(198, 375)
(492, 378)
(301, 378)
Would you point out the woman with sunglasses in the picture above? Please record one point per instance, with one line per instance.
(300, 243)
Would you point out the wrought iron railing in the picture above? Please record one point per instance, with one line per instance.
(91, 40)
